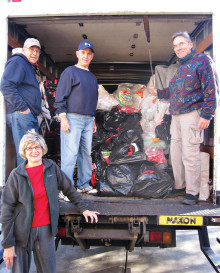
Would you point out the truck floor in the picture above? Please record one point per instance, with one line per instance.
(138, 207)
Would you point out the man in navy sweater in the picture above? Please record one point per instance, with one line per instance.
(75, 102)
(21, 92)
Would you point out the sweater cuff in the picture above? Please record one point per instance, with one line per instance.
(62, 114)
(205, 116)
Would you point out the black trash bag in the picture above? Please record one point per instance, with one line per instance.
(109, 141)
(113, 119)
(118, 121)
(169, 171)
(101, 165)
(121, 177)
(106, 190)
(136, 157)
(152, 182)
(99, 138)
(126, 152)
(101, 134)
(102, 184)
(131, 121)
(162, 131)
(50, 90)
(99, 118)
(129, 136)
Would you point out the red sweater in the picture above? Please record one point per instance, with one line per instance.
(41, 206)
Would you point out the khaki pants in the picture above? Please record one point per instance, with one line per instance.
(185, 151)
(204, 186)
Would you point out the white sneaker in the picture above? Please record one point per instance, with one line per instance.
(93, 191)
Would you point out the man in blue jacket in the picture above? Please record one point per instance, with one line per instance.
(21, 92)
(76, 100)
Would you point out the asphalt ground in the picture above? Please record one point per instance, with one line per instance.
(185, 258)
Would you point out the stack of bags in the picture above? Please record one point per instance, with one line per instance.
(119, 156)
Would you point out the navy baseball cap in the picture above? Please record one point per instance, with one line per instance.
(86, 44)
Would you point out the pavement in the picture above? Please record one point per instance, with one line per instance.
(185, 258)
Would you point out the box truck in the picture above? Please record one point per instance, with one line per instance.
(130, 40)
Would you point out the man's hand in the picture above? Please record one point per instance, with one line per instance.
(26, 111)
(64, 124)
(8, 255)
(203, 123)
(94, 126)
(92, 214)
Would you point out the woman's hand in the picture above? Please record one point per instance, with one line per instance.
(8, 256)
(92, 214)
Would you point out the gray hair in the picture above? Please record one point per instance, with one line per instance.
(32, 137)
(184, 34)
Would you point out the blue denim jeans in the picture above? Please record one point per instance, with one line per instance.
(76, 147)
(19, 124)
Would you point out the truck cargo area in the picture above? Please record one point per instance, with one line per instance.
(127, 50)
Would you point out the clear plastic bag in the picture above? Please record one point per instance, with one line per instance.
(151, 85)
(148, 108)
(106, 101)
(155, 152)
(162, 108)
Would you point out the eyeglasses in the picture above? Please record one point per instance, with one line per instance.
(30, 149)
(32, 50)
(182, 44)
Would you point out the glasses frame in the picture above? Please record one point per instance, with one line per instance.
(31, 149)
(38, 51)
(181, 45)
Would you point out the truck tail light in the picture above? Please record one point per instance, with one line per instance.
(160, 237)
(61, 232)
(156, 237)
(167, 239)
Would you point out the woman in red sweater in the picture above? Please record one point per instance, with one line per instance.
(30, 208)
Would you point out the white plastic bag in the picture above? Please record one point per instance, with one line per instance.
(148, 108)
(105, 100)
(151, 85)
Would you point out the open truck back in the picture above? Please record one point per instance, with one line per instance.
(129, 42)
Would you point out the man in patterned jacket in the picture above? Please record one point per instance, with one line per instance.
(192, 94)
